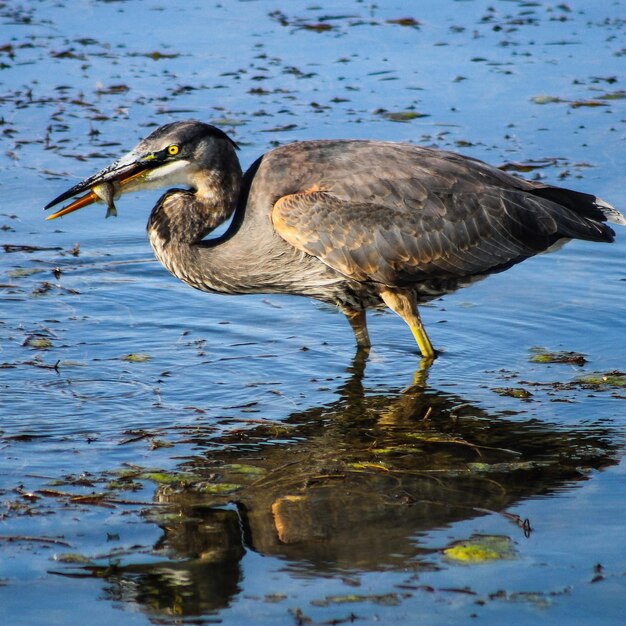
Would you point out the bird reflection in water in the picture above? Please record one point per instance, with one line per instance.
(347, 487)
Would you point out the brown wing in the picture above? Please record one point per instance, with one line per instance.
(405, 232)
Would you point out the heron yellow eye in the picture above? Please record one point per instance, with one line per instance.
(173, 150)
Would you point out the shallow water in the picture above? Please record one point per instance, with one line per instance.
(241, 466)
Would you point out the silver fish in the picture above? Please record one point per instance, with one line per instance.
(106, 192)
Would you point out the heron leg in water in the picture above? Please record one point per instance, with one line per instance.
(403, 303)
(359, 326)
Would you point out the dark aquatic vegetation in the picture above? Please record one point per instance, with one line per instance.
(357, 224)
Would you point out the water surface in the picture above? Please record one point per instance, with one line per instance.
(241, 466)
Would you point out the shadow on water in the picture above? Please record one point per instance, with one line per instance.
(344, 489)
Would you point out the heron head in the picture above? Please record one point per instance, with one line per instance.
(173, 154)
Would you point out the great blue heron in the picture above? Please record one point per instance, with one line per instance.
(358, 224)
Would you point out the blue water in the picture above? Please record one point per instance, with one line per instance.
(270, 381)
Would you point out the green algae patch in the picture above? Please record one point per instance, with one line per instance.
(399, 116)
(273, 598)
(513, 392)
(384, 599)
(361, 466)
(242, 468)
(137, 357)
(505, 468)
(38, 343)
(23, 272)
(603, 379)
(167, 478)
(397, 450)
(219, 489)
(480, 549)
(544, 99)
(73, 558)
(541, 355)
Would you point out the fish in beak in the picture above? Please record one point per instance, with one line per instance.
(125, 174)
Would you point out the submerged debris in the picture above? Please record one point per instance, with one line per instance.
(405, 21)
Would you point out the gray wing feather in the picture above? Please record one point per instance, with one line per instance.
(398, 214)
(459, 235)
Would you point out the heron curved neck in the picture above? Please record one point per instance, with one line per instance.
(182, 219)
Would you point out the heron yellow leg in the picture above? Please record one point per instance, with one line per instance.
(359, 326)
(419, 332)
(403, 303)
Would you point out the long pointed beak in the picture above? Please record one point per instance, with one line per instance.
(79, 203)
(104, 185)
